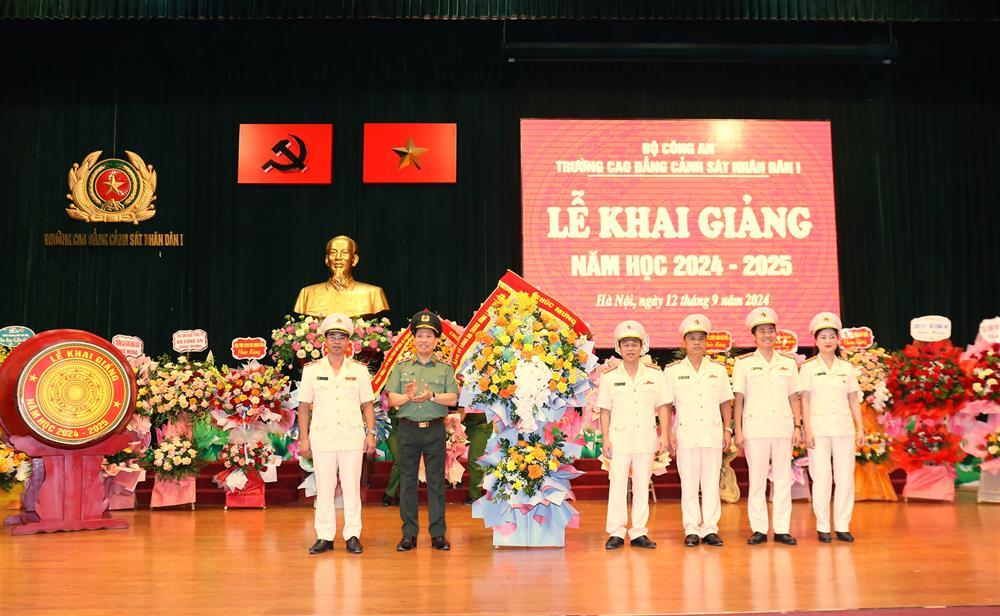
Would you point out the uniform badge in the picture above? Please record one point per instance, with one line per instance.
(112, 190)
(621, 384)
(322, 378)
(350, 378)
(682, 377)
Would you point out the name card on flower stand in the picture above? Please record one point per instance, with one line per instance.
(130, 346)
(989, 329)
(786, 342)
(248, 348)
(857, 338)
(930, 328)
(718, 342)
(13, 335)
(189, 340)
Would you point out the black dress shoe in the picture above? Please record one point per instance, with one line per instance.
(785, 538)
(613, 543)
(643, 542)
(386, 500)
(824, 537)
(757, 538)
(691, 540)
(407, 543)
(848, 537)
(440, 543)
(713, 540)
(321, 545)
(354, 546)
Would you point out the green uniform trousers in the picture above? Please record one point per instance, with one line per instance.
(479, 431)
(429, 442)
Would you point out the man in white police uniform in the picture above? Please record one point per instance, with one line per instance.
(630, 398)
(833, 427)
(700, 393)
(337, 427)
(768, 424)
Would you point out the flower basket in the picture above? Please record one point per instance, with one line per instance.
(872, 483)
(526, 532)
(120, 489)
(251, 496)
(169, 492)
(936, 483)
(989, 486)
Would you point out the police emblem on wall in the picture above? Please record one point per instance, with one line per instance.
(112, 190)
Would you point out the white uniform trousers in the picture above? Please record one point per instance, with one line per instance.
(841, 449)
(699, 468)
(328, 464)
(776, 454)
(641, 465)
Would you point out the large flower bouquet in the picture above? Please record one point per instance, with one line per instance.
(15, 467)
(927, 444)
(875, 450)
(872, 367)
(527, 365)
(926, 381)
(252, 397)
(375, 335)
(983, 367)
(181, 389)
(174, 458)
(243, 463)
(297, 341)
(526, 369)
(523, 466)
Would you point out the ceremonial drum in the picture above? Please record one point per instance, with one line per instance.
(65, 399)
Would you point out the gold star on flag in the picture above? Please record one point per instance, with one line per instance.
(409, 154)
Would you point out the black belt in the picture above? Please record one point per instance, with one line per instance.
(421, 424)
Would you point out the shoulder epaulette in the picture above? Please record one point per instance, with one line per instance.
(810, 359)
(717, 361)
(745, 355)
(315, 361)
(674, 363)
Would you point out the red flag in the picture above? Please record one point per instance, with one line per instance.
(410, 153)
(285, 154)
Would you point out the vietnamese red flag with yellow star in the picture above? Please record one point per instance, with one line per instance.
(410, 153)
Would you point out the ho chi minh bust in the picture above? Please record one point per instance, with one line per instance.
(341, 293)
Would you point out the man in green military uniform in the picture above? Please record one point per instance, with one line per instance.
(422, 389)
(392, 441)
(479, 431)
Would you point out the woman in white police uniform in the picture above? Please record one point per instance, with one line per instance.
(832, 413)
(631, 397)
(337, 426)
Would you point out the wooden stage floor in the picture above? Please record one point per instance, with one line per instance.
(254, 562)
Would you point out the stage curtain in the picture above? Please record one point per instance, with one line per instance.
(779, 10)
(915, 165)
